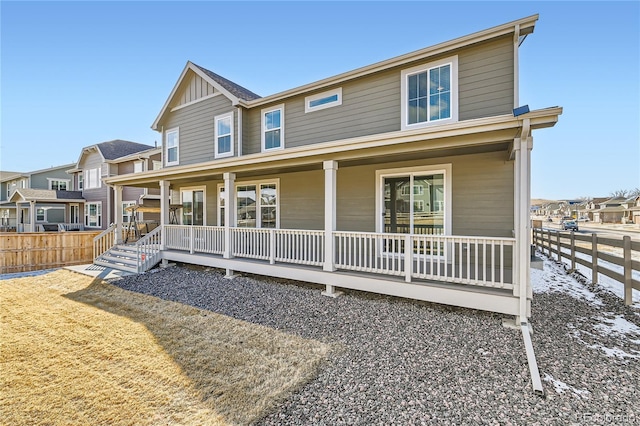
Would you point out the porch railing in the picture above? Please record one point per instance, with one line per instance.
(148, 249)
(481, 261)
(195, 239)
(104, 241)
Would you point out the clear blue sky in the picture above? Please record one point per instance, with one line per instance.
(79, 73)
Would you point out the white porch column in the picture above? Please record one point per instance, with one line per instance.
(117, 192)
(32, 215)
(330, 192)
(164, 211)
(229, 214)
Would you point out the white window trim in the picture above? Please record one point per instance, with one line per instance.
(404, 110)
(175, 130)
(307, 100)
(204, 201)
(262, 127)
(215, 132)
(257, 184)
(86, 181)
(86, 215)
(141, 162)
(67, 181)
(81, 181)
(432, 169)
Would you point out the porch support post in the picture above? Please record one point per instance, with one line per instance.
(164, 211)
(117, 191)
(32, 215)
(330, 174)
(229, 216)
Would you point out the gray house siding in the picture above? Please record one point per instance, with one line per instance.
(370, 105)
(196, 129)
(482, 191)
(91, 161)
(41, 180)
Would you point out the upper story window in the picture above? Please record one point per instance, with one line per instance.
(59, 184)
(273, 128)
(224, 135)
(80, 181)
(171, 149)
(92, 178)
(430, 94)
(156, 165)
(323, 100)
(138, 167)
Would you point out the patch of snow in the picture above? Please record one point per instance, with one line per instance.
(553, 279)
(561, 387)
(614, 352)
(607, 283)
(617, 325)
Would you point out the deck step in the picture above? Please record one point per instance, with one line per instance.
(118, 266)
(115, 257)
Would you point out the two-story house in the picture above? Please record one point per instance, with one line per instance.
(106, 159)
(29, 201)
(414, 167)
(408, 177)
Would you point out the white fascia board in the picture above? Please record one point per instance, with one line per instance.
(525, 26)
(136, 156)
(191, 66)
(538, 118)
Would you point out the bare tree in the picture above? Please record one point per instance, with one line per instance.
(619, 193)
(634, 192)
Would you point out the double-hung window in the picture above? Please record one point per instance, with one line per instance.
(273, 128)
(172, 141)
(224, 135)
(93, 215)
(92, 178)
(80, 181)
(430, 94)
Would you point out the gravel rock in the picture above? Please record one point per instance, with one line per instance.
(404, 362)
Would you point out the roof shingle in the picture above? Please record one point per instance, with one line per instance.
(233, 88)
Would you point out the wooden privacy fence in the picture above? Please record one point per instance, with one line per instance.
(616, 258)
(32, 251)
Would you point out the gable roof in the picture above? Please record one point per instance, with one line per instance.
(6, 175)
(234, 92)
(51, 195)
(112, 150)
(233, 88)
(115, 149)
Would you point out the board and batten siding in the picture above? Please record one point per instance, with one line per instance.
(196, 129)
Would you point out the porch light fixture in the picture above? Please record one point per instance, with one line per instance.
(521, 110)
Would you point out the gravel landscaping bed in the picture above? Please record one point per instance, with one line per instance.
(403, 362)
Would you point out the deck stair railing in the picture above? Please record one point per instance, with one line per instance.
(148, 250)
(104, 241)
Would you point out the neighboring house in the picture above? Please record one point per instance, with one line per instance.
(610, 211)
(634, 210)
(41, 197)
(108, 159)
(592, 208)
(393, 178)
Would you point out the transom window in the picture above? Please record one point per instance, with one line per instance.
(171, 149)
(430, 93)
(224, 135)
(323, 100)
(273, 128)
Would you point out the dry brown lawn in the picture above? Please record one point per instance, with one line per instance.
(77, 350)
